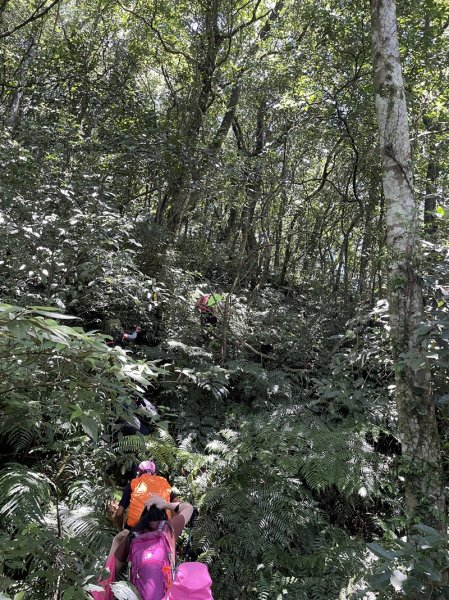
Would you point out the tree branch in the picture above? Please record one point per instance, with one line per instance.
(253, 19)
(36, 15)
(150, 24)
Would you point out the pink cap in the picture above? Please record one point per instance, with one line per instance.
(192, 582)
(147, 466)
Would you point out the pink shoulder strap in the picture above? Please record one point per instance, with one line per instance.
(170, 535)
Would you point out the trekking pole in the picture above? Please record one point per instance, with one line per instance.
(190, 525)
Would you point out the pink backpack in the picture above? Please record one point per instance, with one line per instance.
(192, 582)
(152, 556)
(152, 559)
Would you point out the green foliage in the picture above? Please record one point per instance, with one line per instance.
(415, 568)
(261, 505)
(62, 391)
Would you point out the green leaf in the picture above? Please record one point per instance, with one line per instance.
(46, 308)
(380, 580)
(124, 591)
(381, 552)
(91, 587)
(428, 530)
(54, 315)
(77, 412)
(6, 308)
(90, 427)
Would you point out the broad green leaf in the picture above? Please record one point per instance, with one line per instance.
(90, 427)
(382, 552)
(124, 591)
(6, 308)
(381, 580)
(91, 587)
(428, 530)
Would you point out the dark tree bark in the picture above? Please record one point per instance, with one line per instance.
(430, 199)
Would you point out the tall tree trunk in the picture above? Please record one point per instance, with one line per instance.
(18, 93)
(432, 125)
(424, 492)
(178, 195)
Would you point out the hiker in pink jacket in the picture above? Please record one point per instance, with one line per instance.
(150, 548)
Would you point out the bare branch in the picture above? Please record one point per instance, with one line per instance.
(356, 154)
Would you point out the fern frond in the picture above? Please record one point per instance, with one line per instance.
(24, 494)
(85, 525)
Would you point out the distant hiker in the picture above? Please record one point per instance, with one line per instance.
(201, 306)
(209, 305)
(139, 417)
(131, 336)
(138, 491)
(124, 337)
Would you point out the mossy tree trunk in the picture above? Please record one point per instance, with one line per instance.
(416, 410)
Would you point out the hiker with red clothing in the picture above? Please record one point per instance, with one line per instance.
(138, 491)
(209, 305)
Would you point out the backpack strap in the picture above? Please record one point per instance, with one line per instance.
(170, 536)
(169, 571)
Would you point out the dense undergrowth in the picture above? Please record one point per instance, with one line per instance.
(290, 453)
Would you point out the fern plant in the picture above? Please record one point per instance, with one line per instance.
(61, 392)
(262, 526)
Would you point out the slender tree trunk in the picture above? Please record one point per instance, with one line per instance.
(430, 200)
(424, 492)
(178, 196)
(15, 108)
(280, 212)
(177, 201)
(432, 125)
(18, 94)
(368, 255)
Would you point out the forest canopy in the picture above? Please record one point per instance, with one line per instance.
(287, 162)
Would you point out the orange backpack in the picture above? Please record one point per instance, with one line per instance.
(141, 489)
